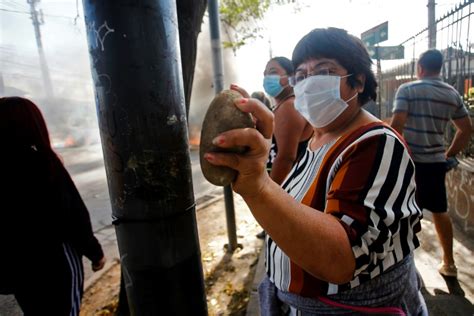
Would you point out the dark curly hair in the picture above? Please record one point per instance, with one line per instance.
(346, 49)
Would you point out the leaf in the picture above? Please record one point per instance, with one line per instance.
(240, 20)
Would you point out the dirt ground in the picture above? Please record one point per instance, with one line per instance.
(228, 277)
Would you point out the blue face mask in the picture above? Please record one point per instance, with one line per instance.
(272, 86)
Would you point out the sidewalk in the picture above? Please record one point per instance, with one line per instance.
(444, 296)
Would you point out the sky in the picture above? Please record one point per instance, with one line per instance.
(65, 44)
(284, 25)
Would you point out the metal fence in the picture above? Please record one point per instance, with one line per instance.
(454, 38)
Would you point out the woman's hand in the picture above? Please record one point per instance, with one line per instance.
(99, 265)
(250, 165)
(240, 90)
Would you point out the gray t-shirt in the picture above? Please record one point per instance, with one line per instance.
(430, 104)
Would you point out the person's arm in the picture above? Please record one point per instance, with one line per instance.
(398, 121)
(299, 230)
(400, 109)
(462, 137)
(78, 227)
(289, 127)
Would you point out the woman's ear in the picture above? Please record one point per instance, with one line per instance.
(360, 78)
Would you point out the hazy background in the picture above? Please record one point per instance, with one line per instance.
(71, 115)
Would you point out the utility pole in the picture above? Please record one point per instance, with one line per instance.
(37, 21)
(136, 68)
(213, 10)
(431, 24)
(2, 85)
(270, 50)
(379, 78)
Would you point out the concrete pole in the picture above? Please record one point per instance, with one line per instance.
(213, 10)
(2, 85)
(48, 87)
(136, 68)
(431, 24)
(379, 88)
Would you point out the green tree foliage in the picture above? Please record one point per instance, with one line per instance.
(240, 19)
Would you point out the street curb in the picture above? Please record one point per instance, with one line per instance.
(213, 197)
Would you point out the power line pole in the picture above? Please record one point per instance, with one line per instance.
(431, 24)
(2, 85)
(379, 78)
(136, 69)
(213, 10)
(270, 50)
(37, 21)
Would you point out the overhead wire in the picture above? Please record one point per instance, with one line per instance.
(44, 14)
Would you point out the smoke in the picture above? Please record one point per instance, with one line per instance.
(20, 72)
(203, 87)
(71, 113)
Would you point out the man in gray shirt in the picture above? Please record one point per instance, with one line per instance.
(421, 111)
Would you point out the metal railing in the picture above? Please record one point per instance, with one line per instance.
(454, 38)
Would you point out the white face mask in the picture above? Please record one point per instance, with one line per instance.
(318, 99)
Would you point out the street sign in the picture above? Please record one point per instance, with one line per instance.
(375, 35)
(386, 52)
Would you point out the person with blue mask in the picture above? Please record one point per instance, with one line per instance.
(292, 131)
(342, 227)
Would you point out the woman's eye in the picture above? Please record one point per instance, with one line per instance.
(299, 78)
(323, 72)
